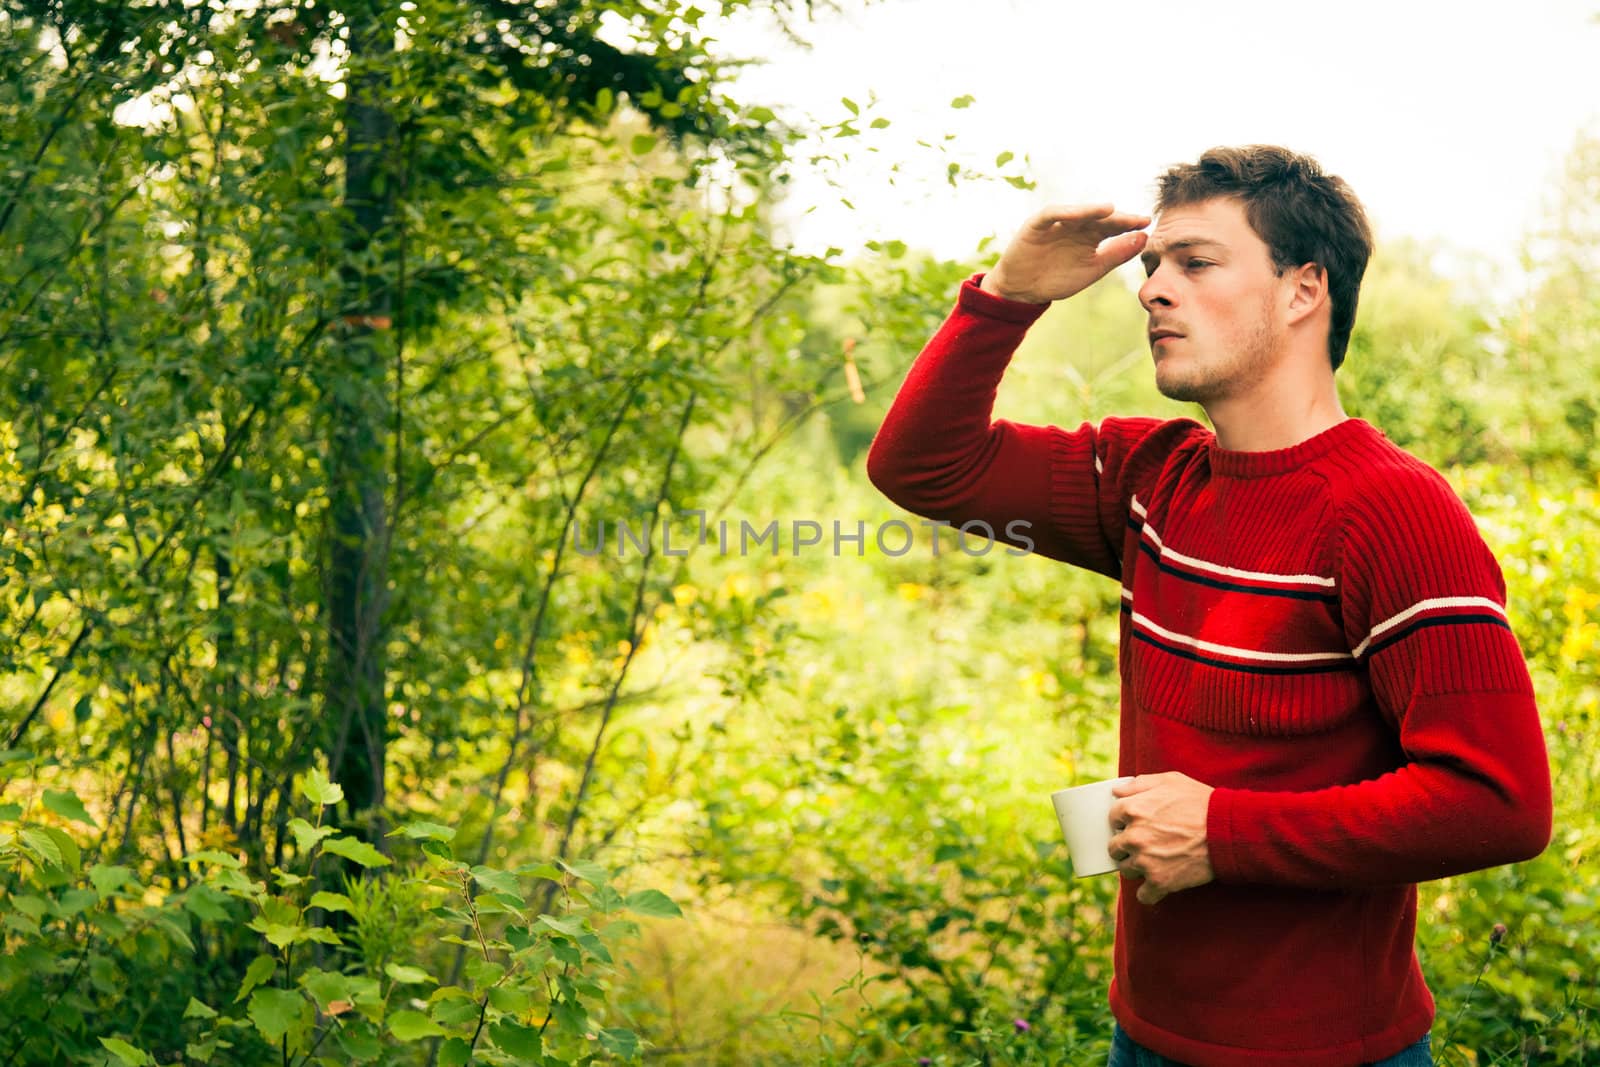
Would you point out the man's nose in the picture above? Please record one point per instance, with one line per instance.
(1155, 290)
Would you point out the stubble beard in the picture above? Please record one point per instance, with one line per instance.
(1243, 362)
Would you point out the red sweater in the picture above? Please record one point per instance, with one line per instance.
(1320, 633)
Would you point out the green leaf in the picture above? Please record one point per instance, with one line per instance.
(880, 123)
(74, 901)
(425, 831)
(209, 855)
(360, 1045)
(320, 934)
(484, 972)
(641, 143)
(456, 1012)
(540, 870)
(571, 1016)
(202, 1051)
(654, 903)
(499, 904)
(850, 105)
(68, 806)
(331, 902)
(197, 1010)
(277, 1011)
(962, 101)
(407, 975)
(357, 851)
(317, 789)
(326, 987)
(42, 846)
(593, 873)
(413, 1026)
(207, 904)
(595, 947)
(454, 1053)
(1003, 158)
(571, 926)
(278, 935)
(306, 835)
(497, 881)
(10, 812)
(34, 907)
(510, 999)
(261, 968)
(130, 1056)
(620, 1042)
(177, 934)
(108, 879)
(520, 1041)
(71, 857)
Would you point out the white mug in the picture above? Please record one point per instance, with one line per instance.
(1084, 812)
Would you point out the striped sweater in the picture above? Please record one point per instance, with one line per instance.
(1318, 632)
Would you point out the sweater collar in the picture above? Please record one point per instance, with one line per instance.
(1228, 464)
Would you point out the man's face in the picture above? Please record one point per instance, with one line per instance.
(1210, 280)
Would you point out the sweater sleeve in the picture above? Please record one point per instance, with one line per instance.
(1422, 602)
(1060, 493)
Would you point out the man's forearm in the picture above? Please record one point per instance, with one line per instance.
(1429, 819)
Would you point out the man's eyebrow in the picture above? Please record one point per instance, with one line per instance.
(1152, 256)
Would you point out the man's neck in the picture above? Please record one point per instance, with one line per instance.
(1269, 419)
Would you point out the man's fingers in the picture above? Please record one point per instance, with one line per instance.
(1097, 216)
(1137, 784)
(1055, 213)
(1113, 254)
(1149, 894)
(1121, 222)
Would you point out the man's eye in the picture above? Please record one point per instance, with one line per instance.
(1198, 263)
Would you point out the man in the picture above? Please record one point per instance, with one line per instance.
(1322, 701)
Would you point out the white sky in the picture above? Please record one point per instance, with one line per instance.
(1394, 96)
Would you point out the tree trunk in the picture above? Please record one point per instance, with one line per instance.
(357, 412)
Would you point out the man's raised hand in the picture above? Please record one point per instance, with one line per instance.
(1059, 252)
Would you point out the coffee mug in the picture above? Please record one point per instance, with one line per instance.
(1085, 815)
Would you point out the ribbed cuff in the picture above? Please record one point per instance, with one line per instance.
(978, 302)
(1219, 836)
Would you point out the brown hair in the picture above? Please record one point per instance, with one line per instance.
(1302, 214)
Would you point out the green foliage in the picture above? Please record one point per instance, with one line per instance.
(535, 983)
(258, 377)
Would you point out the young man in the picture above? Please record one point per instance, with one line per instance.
(1322, 701)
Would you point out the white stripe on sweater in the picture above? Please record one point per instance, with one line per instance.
(1220, 569)
(1428, 605)
(1240, 653)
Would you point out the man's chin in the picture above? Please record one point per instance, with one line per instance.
(1182, 389)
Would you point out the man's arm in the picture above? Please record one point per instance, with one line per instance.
(939, 455)
(1039, 487)
(1423, 603)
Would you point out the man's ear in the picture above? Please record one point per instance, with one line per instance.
(1308, 290)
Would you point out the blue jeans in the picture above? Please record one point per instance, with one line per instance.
(1125, 1052)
